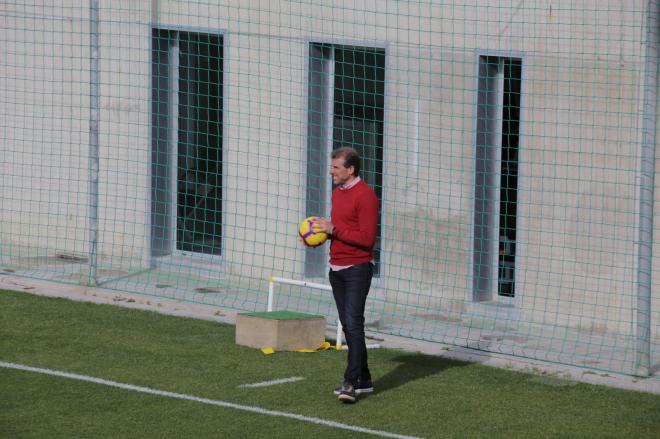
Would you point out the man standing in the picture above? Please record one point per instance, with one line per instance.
(352, 229)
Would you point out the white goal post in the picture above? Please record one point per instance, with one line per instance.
(271, 295)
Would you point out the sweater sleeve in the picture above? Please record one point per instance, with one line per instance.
(365, 235)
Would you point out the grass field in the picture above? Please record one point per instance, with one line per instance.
(416, 395)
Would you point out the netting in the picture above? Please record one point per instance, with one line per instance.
(170, 148)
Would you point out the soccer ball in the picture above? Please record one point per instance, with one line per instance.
(308, 235)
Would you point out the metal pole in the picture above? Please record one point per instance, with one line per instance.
(94, 116)
(302, 283)
(271, 291)
(647, 186)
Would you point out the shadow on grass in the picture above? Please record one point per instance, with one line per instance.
(413, 367)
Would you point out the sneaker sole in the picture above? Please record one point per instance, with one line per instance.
(357, 391)
(346, 398)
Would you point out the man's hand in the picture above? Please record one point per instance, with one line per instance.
(323, 225)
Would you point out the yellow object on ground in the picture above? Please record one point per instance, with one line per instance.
(325, 345)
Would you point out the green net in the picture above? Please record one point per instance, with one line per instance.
(171, 148)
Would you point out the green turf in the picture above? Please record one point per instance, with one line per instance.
(416, 394)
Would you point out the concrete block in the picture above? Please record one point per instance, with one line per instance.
(280, 330)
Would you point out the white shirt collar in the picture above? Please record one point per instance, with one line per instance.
(347, 186)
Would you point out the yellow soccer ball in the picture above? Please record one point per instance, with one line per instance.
(308, 235)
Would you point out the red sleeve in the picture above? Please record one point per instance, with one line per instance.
(365, 235)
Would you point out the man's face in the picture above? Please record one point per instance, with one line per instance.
(340, 174)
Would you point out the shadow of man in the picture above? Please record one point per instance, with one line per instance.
(413, 367)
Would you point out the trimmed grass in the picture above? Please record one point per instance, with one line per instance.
(416, 394)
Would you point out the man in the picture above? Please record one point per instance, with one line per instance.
(352, 229)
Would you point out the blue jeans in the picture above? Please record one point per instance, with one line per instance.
(350, 287)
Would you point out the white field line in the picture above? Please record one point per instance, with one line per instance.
(272, 382)
(218, 403)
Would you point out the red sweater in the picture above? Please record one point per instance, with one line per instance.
(355, 217)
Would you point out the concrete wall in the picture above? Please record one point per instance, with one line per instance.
(577, 216)
(44, 129)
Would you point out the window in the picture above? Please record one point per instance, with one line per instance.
(187, 103)
(496, 179)
(346, 108)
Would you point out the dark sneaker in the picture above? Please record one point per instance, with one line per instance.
(347, 394)
(361, 387)
(339, 389)
(364, 387)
